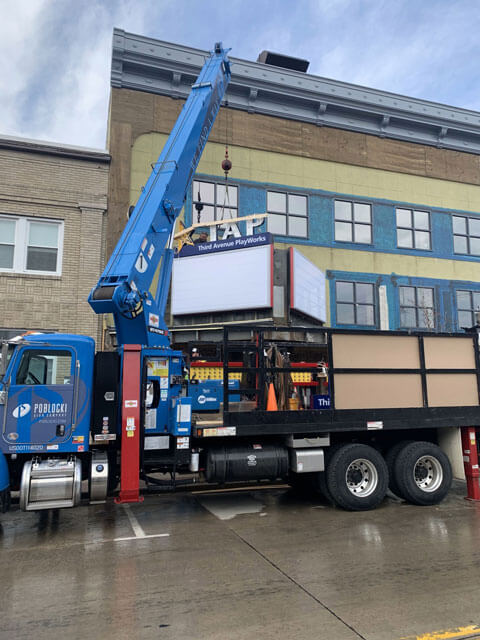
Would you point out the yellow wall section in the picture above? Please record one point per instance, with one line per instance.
(283, 169)
(276, 168)
(388, 263)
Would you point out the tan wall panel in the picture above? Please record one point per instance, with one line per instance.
(378, 391)
(449, 353)
(453, 390)
(375, 352)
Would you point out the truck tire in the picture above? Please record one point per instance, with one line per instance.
(319, 485)
(390, 459)
(423, 473)
(357, 477)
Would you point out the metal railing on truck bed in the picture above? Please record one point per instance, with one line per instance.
(377, 380)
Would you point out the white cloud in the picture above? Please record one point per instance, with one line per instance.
(56, 82)
(18, 30)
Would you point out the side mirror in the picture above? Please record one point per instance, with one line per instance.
(3, 360)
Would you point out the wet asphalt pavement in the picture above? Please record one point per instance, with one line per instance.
(253, 564)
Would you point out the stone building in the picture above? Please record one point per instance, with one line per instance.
(53, 202)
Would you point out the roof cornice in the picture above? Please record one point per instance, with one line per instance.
(53, 148)
(146, 64)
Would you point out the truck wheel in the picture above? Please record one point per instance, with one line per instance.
(423, 473)
(357, 477)
(390, 459)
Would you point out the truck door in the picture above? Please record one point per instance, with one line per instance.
(156, 408)
(41, 396)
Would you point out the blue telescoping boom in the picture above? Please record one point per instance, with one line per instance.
(135, 283)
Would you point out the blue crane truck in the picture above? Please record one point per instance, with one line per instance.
(69, 414)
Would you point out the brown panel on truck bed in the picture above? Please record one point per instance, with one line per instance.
(375, 352)
(459, 389)
(449, 353)
(378, 390)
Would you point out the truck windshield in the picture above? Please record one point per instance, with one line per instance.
(5, 355)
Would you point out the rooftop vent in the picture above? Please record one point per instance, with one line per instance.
(286, 62)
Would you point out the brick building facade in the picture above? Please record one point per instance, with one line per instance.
(53, 201)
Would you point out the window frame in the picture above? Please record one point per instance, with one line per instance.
(21, 244)
(466, 235)
(356, 304)
(214, 204)
(287, 214)
(30, 352)
(352, 221)
(413, 228)
(416, 307)
(471, 310)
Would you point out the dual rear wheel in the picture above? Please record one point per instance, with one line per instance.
(357, 476)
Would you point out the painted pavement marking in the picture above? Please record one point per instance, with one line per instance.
(472, 632)
(137, 528)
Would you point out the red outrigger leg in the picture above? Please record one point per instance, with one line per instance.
(130, 453)
(470, 462)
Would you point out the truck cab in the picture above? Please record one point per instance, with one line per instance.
(45, 393)
(45, 412)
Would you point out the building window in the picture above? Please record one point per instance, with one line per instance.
(30, 245)
(287, 214)
(413, 229)
(353, 222)
(466, 235)
(417, 307)
(355, 303)
(219, 202)
(468, 303)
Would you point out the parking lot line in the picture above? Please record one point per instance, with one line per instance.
(145, 537)
(137, 528)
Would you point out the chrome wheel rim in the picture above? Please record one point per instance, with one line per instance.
(361, 477)
(428, 474)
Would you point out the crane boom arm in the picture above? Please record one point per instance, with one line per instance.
(134, 285)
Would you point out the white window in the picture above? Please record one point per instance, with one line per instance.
(468, 306)
(31, 245)
(413, 229)
(353, 222)
(218, 202)
(417, 307)
(466, 235)
(355, 303)
(287, 214)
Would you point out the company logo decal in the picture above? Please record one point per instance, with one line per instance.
(153, 320)
(50, 409)
(21, 410)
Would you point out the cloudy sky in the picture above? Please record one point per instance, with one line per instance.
(55, 78)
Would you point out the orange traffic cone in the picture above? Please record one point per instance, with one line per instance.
(271, 400)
